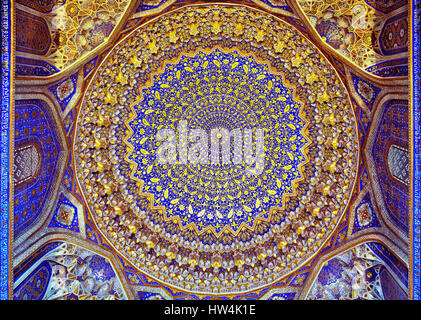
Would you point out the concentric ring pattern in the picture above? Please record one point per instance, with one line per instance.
(218, 91)
(206, 227)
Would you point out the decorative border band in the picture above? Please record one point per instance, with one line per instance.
(415, 16)
(5, 145)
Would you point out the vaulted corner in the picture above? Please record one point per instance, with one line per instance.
(387, 152)
(40, 154)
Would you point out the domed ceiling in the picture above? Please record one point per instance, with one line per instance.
(195, 150)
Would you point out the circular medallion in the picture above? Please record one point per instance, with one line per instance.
(216, 148)
(237, 141)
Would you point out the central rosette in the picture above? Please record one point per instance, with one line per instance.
(217, 139)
